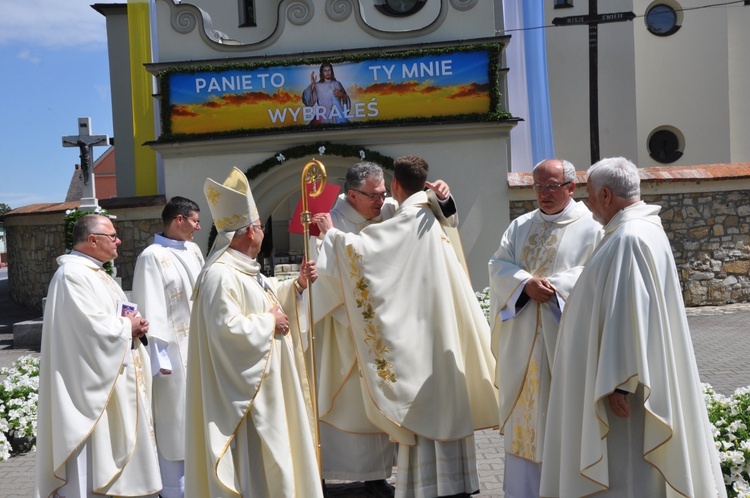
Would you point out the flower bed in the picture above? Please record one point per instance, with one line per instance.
(730, 418)
(18, 402)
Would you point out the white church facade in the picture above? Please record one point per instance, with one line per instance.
(225, 86)
(421, 78)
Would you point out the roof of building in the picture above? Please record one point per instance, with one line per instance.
(706, 172)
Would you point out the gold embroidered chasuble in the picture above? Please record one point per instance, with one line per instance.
(524, 344)
(92, 387)
(163, 281)
(424, 356)
(249, 419)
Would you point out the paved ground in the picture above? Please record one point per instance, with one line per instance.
(721, 337)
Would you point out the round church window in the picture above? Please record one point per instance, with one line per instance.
(662, 20)
(665, 145)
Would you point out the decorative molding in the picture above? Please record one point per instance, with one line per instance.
(185, 17)
(299, 12)
(464, 5)
(339, 10)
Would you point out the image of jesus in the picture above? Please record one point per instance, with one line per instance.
(327, 96)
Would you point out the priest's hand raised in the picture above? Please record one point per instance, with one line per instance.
(324, 222)
(539, 289)
(282, 321)
(441, 189)
(138, 324)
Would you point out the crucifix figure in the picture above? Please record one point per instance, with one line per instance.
(593, 19)
(85, 141)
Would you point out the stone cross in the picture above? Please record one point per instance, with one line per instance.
(85, 141)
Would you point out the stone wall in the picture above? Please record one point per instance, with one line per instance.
(705, 215)
(35, 236)
(710, 240)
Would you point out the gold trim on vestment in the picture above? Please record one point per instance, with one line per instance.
(373, 334)
(251, 401)
(108, 281)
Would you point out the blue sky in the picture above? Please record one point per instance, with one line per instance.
(55, 69)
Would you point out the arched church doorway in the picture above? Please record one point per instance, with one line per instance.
(277, 190)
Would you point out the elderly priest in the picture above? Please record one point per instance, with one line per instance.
(627, 416)
(94, 427)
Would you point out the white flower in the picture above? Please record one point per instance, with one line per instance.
(736, 425)
(361, 154)
(322, 149)
(281, 158)
(736, 457)
(741, 486)
(4, 447)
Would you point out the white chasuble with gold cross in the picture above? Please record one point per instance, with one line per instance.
(524, 332)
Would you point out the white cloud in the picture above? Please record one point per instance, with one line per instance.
(26, 55)
(51, 23)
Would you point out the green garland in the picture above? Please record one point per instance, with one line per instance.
(73, 215)
(494, 115)
(331, 149)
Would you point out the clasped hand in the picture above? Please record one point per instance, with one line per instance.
(138, 324)
(539, 289)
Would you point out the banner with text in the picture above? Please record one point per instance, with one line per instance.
(380, 89)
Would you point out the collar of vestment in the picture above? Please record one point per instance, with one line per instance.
(163, 241)
(81, 258)
(638, 211)
(241, 262)
(414, 200)
(573, 211)
(348, 211)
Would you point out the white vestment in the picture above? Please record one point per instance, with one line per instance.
(249, 421)
(524, 332)
(625, 327)
(92, 401)
(352, 448)
(421, 342)
(163, 281)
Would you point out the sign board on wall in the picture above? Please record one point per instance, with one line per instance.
(396, 87)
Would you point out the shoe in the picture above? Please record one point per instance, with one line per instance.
(379, 489)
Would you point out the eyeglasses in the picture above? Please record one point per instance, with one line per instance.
(373, 197)
(112, 236)
(552, 187)
(261, 227)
